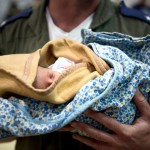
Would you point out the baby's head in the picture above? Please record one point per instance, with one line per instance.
(45, 77)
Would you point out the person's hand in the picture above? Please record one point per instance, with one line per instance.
(124, 137)
(66, 128)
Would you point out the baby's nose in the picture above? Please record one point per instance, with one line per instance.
(53, 76)
(50, 81)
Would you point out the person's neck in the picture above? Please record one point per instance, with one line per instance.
(68, 14)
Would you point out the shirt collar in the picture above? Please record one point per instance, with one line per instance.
(103, 13)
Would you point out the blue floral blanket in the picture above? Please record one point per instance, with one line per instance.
(111, 93)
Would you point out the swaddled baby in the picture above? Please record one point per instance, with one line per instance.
(46, 76)
(28, 74)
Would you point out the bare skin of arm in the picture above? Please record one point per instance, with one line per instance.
(124, 137)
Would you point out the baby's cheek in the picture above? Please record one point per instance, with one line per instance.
(41, 84)
(46, 79)
(41, 79)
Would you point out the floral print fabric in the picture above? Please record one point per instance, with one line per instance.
(111, 93)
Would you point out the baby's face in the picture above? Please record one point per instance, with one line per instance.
(45, 77)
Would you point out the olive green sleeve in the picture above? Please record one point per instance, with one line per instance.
(147, 30)
(2, 42)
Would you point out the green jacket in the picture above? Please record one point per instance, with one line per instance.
(26, 34)
(29, 32)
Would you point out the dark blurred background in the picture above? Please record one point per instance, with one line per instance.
(9, 8)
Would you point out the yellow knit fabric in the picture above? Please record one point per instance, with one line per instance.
(18, 71)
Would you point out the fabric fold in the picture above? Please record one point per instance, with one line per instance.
(111, 93)
(18, 72)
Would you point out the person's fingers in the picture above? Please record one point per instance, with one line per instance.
(95, 133)
(107, 121)
(66, 128)
(88, 141)
(93, 143)
(141, 103)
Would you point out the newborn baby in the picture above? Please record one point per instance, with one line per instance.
(46, 76)
(28, 74)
